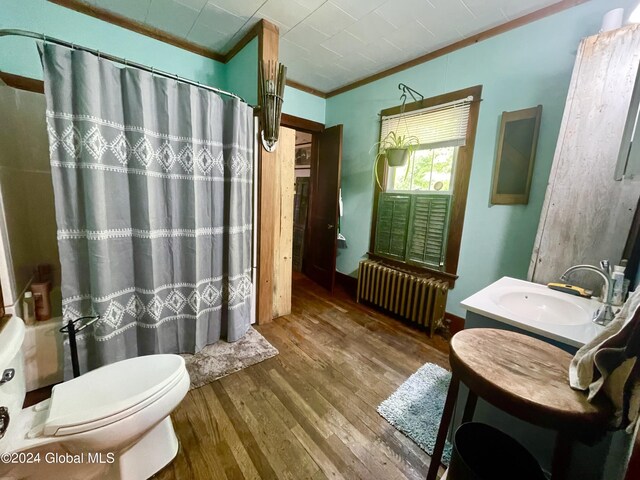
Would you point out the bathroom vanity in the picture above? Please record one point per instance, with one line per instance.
(562, 320)
(558, 318)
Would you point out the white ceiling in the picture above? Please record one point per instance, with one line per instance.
(329, 43)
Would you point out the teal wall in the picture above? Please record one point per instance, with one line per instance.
(303, 104)
(241, 73)
(19, 56)
(521, 68)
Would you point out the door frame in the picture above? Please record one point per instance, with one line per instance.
(314, 128)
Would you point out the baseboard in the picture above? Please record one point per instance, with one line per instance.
(349, 283)
(456, 323)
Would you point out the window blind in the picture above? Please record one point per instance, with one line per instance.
(444, 125)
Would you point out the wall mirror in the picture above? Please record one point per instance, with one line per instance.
(515, 156)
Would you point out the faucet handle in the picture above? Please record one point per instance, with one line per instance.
(605, 266)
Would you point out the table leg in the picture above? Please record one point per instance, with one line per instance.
(469, 407)
(447, 414)
(561, 457)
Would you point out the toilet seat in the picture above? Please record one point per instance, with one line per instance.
(111, 393)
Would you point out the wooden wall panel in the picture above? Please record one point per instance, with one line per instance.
(587, 215)
(284, 174)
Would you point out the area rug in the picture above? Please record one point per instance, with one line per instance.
(416, 407)
(222, 358)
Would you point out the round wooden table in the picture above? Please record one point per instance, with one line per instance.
(527, 378)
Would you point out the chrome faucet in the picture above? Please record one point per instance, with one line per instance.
(604, 314)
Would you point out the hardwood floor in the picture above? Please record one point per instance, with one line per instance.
(309, 412)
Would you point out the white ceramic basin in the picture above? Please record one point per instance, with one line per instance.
(543, 307)
(537, 309)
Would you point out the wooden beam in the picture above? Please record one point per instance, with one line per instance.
(138, 27)
(268, 39)
(492, 32)
(22, 83)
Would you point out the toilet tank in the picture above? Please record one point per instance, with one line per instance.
(13, 390)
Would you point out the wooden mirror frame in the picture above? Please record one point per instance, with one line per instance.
(515, 198)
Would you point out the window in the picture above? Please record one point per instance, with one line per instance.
(428, 170)
(414, 212)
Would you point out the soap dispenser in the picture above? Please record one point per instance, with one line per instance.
(618, 284)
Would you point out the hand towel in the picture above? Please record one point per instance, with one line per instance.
(608, 365)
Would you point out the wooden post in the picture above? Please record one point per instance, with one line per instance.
(268, 38)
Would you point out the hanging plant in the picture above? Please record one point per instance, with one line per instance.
(396, 149)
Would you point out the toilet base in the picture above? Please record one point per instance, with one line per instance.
(150, 454)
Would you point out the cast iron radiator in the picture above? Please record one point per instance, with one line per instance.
(419, 299)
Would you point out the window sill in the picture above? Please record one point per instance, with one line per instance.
(450, 278)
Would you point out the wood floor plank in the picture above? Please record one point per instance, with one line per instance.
(310, 412)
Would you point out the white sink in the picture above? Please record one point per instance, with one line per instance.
(537, 309)
(543, 307)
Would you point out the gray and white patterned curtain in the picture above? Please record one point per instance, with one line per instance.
(153, 194)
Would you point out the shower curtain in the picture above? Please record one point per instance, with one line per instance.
(153, 187)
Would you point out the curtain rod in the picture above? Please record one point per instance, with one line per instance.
(113, 58)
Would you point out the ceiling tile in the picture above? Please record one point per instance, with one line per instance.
(220, 20)
(329, 19)
(134, 10)
(241, 8)
(285, 13)
(322, 55)
(311, 4)
(358, 8)
(358, 62)
(413, 36)
(382, 52)
(399, 13)
(370, 28)
(171, 17)
(343, 43)
(292, 49)
(208, 37)
(195, 4)
(305, 36)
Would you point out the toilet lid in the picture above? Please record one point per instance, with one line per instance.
(111, 392)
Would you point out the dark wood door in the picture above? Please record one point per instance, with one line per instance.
(320, 258)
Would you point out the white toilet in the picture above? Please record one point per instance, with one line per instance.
(112, 422)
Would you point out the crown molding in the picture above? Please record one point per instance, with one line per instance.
(260, 26)
(139, 27)
(492, 32)
(305, 88)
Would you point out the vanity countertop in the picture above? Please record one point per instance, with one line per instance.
(537, 309)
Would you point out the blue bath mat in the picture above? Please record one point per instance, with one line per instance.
(416, 407)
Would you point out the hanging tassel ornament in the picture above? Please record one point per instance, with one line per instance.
(272, 78)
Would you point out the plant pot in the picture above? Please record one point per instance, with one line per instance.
(397, 157)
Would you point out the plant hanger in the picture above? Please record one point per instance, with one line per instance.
(406, 89)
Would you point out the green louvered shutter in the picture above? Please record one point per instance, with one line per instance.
(428, 228)
(392, 224)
